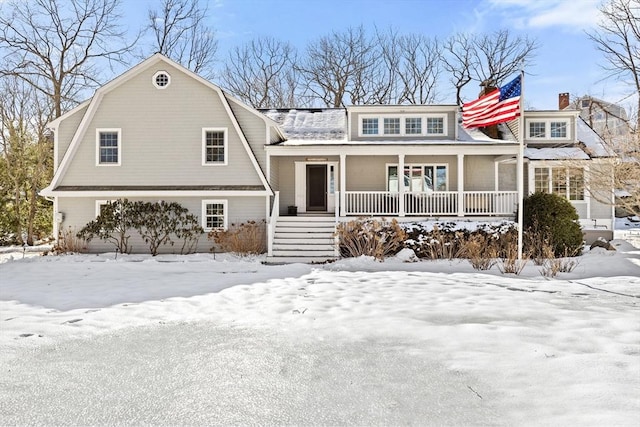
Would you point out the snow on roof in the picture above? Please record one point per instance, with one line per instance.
(593, 143)
(555, 153)
(326, 124)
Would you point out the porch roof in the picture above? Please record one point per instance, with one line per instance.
(556, 153)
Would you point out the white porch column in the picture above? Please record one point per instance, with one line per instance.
(460, 184)
(343, 184)
(401, 188)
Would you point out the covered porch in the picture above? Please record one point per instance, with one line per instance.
(396, 181)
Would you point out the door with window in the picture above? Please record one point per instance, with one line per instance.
(316, 187)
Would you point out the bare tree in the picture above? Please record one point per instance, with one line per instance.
(180, 33)
(262, 73)
(338, 68)
(420, 69)
(485, 58)
(621, 173)
(618, 39)
(58, 47)
(25, 157)
(499, 54)
(458, 59)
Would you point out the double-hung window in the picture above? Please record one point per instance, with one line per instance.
(108, 147)
(214, 215)
(566, 182)
(418, 178)
(413, 126)
(435, 125)
(214, 146)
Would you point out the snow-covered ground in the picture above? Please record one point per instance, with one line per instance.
(89, 339)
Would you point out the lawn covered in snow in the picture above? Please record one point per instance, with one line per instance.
(90, 339)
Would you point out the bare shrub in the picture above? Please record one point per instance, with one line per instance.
(69, 242)
(509, 262)
(247, 238)
(480, 252)
(370, 237)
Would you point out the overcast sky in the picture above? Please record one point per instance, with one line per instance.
(566, 61)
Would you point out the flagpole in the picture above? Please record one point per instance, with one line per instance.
(520, 162)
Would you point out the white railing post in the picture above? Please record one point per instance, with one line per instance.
(461, 200)
(273, 220)
(401, 188)
(343, 184)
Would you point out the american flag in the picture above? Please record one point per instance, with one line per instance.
(498, 106)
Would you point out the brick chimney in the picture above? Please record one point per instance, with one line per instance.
(563, 100)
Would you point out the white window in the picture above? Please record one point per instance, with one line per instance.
(413, 126)
(418, 178)
(369, 126)
(214, 146)
(548, 129)
(409, 125)
(392, 126)
(161, 80)
(108, 147)
(435, 125)
(214, 215)
(100, 204)
(566, 182)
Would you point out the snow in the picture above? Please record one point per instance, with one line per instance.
(555, 153)
(90, 339)
(328, 124)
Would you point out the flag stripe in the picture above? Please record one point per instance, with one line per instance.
(498, 106)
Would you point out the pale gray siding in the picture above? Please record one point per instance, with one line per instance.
(78, 211)
(507, 177)
(479, 173)
(66, 130)
(286, 180)
(368, 173)
(161, 139)
(254, 129)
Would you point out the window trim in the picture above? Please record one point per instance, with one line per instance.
(567, 181)
(225, 214)
(225, 162)
(547, 129)
(403, 125)
(156, 74)
(100, 203)
(421, 166)
(108, 130)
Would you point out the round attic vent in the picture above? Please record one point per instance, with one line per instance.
(161, 79)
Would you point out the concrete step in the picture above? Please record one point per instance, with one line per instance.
(304, 218)
(305, 253)
(298, 259)
(302, 247)
(305, 226)
(290, 240)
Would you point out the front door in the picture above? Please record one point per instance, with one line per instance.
(316, 187)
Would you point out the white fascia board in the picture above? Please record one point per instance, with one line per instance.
(148, 193)
(387, 150)
(398, 109)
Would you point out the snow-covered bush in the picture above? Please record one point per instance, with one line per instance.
(370, 237)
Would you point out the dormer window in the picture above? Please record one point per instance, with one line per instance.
(548, 129)
(392, 126)
(161, 80)
(410, 125)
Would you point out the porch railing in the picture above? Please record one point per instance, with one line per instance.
(440, 203)
(273, 220)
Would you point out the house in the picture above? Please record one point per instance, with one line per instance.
(607, 119)
(161, 132)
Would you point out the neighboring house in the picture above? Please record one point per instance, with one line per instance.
(161, 132)
(607, 119)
